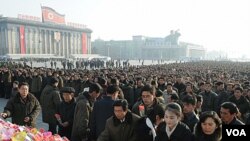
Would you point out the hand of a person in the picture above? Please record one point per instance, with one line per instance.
(4, 115)
(26, 119)
(65, 124)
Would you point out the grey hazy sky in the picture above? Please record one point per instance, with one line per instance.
(222, 25)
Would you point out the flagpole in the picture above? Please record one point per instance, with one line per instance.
(42, 12)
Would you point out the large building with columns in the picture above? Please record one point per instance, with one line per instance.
(19, 36)
(149, 48)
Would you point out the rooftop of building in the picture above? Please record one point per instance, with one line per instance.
(41, 24)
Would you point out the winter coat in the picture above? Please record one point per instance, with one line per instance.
(83, 109)
(50, 99)
(103, 109)
(36, 84)
(149, 112)
(115, 130)
(180, 133)
(66, 112)
(17, 109)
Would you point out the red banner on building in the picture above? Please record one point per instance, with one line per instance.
(22, 40)
(84, 43)
(50, 15)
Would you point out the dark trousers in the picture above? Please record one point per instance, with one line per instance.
(53, 128)
(7, 90)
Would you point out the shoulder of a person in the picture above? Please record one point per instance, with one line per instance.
(159, 104)
(135, 116)
(82, 102)
(110, 119)
(31, 96)
(183, 126)
(13, 99)
(161, 127)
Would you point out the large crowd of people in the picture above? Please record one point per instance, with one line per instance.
(188, 101)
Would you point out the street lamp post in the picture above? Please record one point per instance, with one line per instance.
(108, 50)
(120, 53)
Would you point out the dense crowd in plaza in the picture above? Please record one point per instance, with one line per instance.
(188, 101)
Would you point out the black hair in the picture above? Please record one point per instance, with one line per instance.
(23, 84)
(114, 81)
(199, 98)
(121, 102)
(16, 82)
(231, 107)
(95, 87)
(174, 96)
(148, 88)
(175, 108)
(111, 89)
(159, 93)
(189, 99)
(201, 83)
(203, 117)
(238, 88)
(219, 83)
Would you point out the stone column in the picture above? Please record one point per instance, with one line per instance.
(9, 41)
(72, 47)
(77, 44)
(30, 40)
(13, 36)
(1, 42)
(44, 42)
(36, 42)
(68, 44)
(63, 44)
(51, 46)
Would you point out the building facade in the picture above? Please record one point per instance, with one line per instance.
(18, 36)
(148, 48)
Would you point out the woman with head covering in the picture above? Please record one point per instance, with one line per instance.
(173, 128)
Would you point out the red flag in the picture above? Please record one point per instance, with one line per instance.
(84, 43)
(50, 15)
(22, 40)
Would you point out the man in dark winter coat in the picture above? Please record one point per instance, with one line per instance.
(83, 110)
(103, 109)
(36, 85)
(228, 113)
(50, 99)
(150, 108)
(24, 108)
(65, 112)
(241, 102)
(210, 98)
(190, 117)
(121, 126)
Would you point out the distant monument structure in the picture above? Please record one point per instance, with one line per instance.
(173, 37)
(150, 48)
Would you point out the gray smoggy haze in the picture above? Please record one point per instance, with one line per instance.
(221, 25)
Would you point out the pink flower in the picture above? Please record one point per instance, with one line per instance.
(141, 108)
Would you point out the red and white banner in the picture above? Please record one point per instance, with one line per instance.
(50, 15)
(84, 43)
(30, 18)
(22, 40)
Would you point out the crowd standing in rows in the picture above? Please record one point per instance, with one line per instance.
(178, 101)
